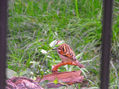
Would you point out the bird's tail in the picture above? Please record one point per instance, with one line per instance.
(79, 64)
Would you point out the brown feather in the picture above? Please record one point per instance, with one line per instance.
(66, 51)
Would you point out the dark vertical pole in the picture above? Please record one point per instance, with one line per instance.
(3, 29)
(106, 43)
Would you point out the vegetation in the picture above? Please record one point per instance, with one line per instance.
(34, 24)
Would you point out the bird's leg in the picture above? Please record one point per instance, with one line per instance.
(79, 64)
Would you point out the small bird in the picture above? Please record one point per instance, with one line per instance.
(66, 54)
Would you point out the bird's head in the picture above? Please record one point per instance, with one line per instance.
(58, 43)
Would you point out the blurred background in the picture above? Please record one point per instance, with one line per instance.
(35, 24)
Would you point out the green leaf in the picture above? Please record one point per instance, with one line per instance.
(79, 55)
(55, 81)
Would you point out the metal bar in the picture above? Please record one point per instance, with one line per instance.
(106, 43)
(3, 29)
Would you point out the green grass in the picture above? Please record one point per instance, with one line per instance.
(34, 24)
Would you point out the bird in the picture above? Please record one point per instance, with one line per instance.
(67, 54)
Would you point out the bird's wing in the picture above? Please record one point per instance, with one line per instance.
(66, 51)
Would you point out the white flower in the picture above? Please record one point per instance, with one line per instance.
(53, 43)
(44, 51)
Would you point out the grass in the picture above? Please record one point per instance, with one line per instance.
(34, 24)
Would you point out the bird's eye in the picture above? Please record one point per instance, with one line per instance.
(63, 49)
(71, 54)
